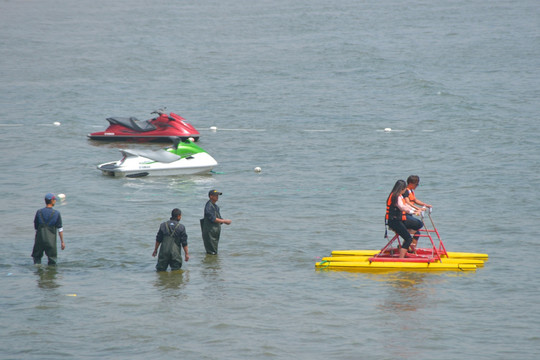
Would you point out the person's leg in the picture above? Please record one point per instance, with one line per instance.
(37, 251)
(402, 231)
(413, 225)
(176, 258)
(211, 241)
(52, 254)
(163, 261)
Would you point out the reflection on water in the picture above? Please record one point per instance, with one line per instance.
(212, 264)
(405, 292)
(211, 268)
(169, 282)
(212, 274)
(47, 277)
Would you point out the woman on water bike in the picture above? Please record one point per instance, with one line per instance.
(396, 215)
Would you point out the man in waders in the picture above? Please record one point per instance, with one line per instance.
(211, 223)
(46, 222)
(171, 236)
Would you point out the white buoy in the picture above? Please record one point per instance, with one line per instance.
(213, 128)
(62, 197)
(387, 129)
(257, 169)
(56, 123)
(191, 139)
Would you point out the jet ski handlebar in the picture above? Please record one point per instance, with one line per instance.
(159, 111)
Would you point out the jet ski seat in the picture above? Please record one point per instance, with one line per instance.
(156, 155)
(132, 123)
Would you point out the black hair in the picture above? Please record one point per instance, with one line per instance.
(397, 189)
(175, 213)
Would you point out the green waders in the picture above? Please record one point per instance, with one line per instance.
(210, 235)
(169, 252)
(45, 241)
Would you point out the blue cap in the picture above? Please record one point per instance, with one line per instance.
(50, 196)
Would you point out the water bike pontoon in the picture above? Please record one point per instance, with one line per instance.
(183, 158)
(434, 258)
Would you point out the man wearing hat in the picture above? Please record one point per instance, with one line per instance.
(46, 222)
(211, 223)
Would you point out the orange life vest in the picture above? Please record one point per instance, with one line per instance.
(411, 195)
(393, 210)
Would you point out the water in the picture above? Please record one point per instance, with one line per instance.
(303, 90)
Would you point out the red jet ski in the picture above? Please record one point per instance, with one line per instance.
(159, 129)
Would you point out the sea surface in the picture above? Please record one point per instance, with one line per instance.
(304, 90)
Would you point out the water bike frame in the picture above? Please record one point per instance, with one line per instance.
(390, 252)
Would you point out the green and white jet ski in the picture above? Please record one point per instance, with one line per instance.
(183, 158)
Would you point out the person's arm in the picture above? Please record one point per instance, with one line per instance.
(159, 239)
(210, 213)
(183, 240)
(186, 253)
(406, 199)
(36, 220)
(404, 207)
(156, 249)
(61, 235)
(60, 231)
(223, 221)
